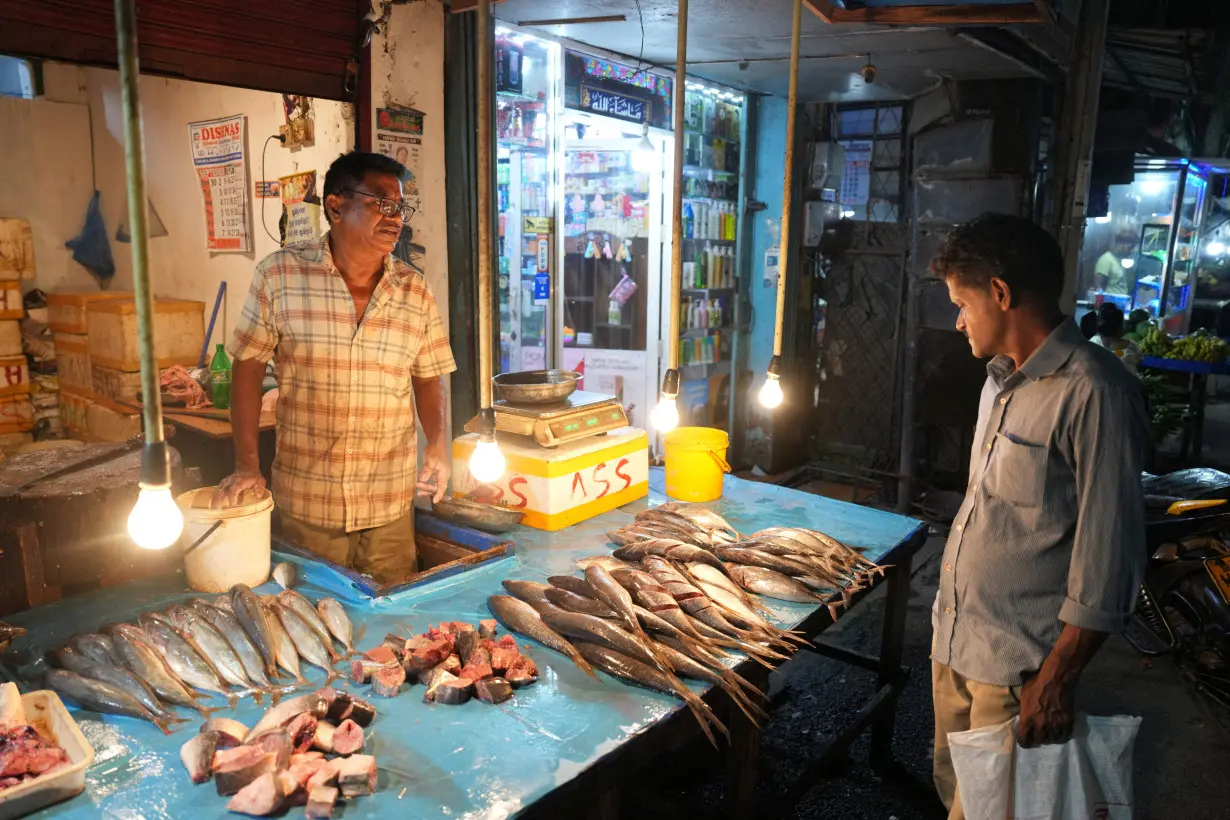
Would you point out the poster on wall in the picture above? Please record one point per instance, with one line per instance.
(300, 208)
(221, 165)
(399, 134)
(618, 373)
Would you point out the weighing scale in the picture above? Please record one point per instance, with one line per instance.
(579, 416)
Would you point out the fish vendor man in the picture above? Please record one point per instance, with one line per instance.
(358, 345)
(1048, 549)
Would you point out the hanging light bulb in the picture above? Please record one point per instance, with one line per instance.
(665, 416)
(771, 392)
(487, 462)
(644, 156)
(155, 522)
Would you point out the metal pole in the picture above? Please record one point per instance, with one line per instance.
(134, 158)
(788, 180)
(681, 69)
(485, 216)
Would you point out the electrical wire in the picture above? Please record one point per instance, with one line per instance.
(640, 59)
(281, 139)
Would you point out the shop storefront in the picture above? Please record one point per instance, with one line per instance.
(584, 182)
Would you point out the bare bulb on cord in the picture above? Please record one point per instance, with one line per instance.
(665, 416)
(771, 393)
(487, 463)
(155, 522)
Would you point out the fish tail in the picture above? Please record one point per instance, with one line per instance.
(357, 637)
(704, 716)
(575, 656)
(231, 700)
(161, 723)
(740, 699)
(748, 688)
(275, 695)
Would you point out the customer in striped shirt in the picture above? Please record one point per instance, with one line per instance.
(358, 345)
(1047, 551)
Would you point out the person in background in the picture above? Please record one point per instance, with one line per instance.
(1108, 272)
(358, 345)
(1110, 336)
(1047, 550)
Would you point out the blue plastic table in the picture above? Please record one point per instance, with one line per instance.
(567, 735)
(1198, 396)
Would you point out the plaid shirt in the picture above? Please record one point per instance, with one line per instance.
(347, 450)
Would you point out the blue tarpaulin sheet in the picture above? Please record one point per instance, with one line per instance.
(467, 762)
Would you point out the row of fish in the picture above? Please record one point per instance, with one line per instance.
(306, 751)
(785, 563)
(232, 646)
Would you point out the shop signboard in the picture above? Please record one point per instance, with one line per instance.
(220, 158)
(301, 207)
(602, 86)
(611, 104)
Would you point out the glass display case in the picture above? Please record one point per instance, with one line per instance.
(526, 77)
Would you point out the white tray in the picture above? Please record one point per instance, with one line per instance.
(44, 709)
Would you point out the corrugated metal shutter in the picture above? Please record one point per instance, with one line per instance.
(290, 46)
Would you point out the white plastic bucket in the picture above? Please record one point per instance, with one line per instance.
(237, 552)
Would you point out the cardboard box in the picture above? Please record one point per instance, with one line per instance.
(10, 300)
(115, 385)
(14, 376)
(179, 333)
(10, 338)
(16, 414)
(73, 364)
(566, 484)
(66, 310)
(105, 421)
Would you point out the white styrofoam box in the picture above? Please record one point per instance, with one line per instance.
(74, 410)
(179, 333)
(73, 364)
(14, 376)
(560, 486)
(116, 385)
(66, 310)
(10, 337)
(10, 300)
(16, 250)
(45, 709)
(107, 422)
(16, 414)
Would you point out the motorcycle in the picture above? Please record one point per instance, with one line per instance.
(1183, 607)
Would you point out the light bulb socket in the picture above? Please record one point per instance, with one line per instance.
(775, 367)
(155, 466)
(486, 424)
(670, 384)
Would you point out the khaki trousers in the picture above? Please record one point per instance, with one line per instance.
(962, 704)
(387, 553)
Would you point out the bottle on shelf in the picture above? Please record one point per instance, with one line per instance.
(715, 315)
(220, 378)
(688, 220)
(614, 313)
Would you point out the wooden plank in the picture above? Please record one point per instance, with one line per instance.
(821, 8)
(940, 15)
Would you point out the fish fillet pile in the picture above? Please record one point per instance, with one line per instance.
(454, 660)
(674, 601)
(24, 753)
(238, 644)
(306, 751)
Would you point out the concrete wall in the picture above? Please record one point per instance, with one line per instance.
(770, 169)
(75, 142)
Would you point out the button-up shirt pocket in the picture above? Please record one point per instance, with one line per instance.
(1016, 472)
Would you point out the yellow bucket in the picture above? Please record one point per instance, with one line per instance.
(696, 463)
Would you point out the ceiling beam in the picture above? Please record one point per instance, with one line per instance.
(998, 15)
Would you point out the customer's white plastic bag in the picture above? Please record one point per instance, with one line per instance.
(1087, 778)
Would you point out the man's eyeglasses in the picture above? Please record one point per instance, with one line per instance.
(388, 207)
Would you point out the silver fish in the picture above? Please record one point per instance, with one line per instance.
(97, 646)
(284, 647)
(338, 621)
(572, 602)
(288, 710)
(72, 660)
(184, 660)
(213, 645)
(101, 697)
(133, 645)
(303, 608)
(520, 617)
(284, 574)
(773, 584)
(531, 592)
(307, 642)
(247, 608)
(226, 623)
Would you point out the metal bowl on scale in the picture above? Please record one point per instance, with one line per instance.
(536, 386)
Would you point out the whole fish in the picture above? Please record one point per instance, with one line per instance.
(518, 616)
(570, 601)
(69, 658)
(608, 562)
(617, 598)
(97, 646)
(303, 608)
(247, 608)
(575, 626)
(284, 647)
(284, 574)
(212, 645)
(184, 660)
(772, 584)
(133, 645)
(634, 671)
(288, 710)
(706, 574)
(100, 696)
(756, 558)
(527, 591)
(226, 623)
(733, 685)
(337, 621)
(578, 586)
(307, 643)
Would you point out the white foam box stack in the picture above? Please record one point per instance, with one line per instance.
(16, 252)
(106, 421)
(14, 376)
(563, 485)
(16, 414)
(115, 385)
(66, 310)
(74, 411)
(73, 364)
(111, 333)
(10, 301)
(10, 338)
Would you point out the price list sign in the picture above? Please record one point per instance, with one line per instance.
(220, 160)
